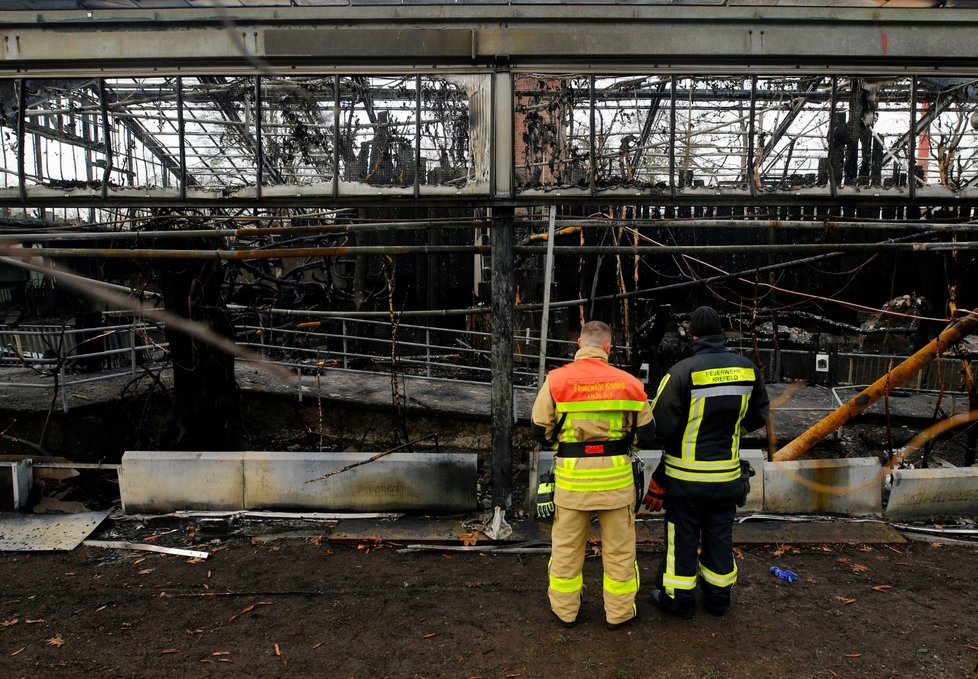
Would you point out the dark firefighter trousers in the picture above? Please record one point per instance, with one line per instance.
(689, 525)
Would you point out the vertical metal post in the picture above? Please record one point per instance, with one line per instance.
(21, 139)
(336, 136)
(427, 350)
(132, 347)
(503, 127)
(912, 142)
(750, 139)
(833, 180)
(259, 152)
(181, 140)
(298, 382)
(417, 140)
(345, 352)
(503, 304)
(531, 496)
(592, 148)
(548, 269)
(672, 139)
(107, 133)
(64, 389)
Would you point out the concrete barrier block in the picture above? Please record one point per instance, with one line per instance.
(933, 493)
(435, 482)
(157, 482)
(852, 487)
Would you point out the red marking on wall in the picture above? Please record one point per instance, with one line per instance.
(883, 41)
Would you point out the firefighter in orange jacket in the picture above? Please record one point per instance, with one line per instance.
(591, 411)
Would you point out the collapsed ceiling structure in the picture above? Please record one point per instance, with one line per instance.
(372, 160)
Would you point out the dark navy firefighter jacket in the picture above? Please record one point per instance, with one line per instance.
(701, 408)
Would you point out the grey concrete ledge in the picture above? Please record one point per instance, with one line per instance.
(156, 482)
(852, 487)
(933, 493)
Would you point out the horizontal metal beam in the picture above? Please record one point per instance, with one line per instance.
(581, 37)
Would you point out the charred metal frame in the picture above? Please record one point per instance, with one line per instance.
(500, 43)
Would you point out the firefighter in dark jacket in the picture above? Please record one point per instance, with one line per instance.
(590, 411)
(702, 406)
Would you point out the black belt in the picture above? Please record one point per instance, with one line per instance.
(593, 449)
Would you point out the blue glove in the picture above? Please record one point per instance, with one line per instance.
(785, 574)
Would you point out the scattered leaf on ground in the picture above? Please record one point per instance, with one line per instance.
(166, 651)
(139, 560)
(882, 588)
(469, 539)
(195, 560)
(19, 650)
(278, 651)
(859, 568)
(739, 553)
(101, 608)
(34, 622)
(936, 545)
(846, 600)
(146, 571)
(853, 655)
(8, 623)
(315, 646)
(866, 548)
(56, 640)
(216, 654)
(428, 636)
(199, 630)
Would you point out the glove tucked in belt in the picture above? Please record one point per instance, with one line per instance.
(545, 496)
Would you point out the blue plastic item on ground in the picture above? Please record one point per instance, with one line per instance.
(784, 574)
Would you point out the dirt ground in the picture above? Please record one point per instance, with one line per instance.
(305, 607)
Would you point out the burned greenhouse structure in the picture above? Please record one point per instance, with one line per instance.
(345, 196)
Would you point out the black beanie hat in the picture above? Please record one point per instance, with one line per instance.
(705, 321)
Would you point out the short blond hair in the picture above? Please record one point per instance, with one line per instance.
(595, 334)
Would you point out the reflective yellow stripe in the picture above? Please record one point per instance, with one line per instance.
(670, 565)
(726, 580)
(735, 444)
(567, 585)
(615, 420)
(599, 406)
(621, 587)
(670, 581)
(594, 486)
(722, 376)
(566, 467)
(716, 465)
(675, 582)
(692, 427)
(699, 476)
(662, 385)
(618, 475)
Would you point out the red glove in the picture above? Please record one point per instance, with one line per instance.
(655, 496)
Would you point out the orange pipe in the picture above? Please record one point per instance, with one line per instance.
(884, 385)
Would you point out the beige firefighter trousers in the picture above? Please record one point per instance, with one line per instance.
(620, 582)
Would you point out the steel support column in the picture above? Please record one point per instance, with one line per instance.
(503, 303)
